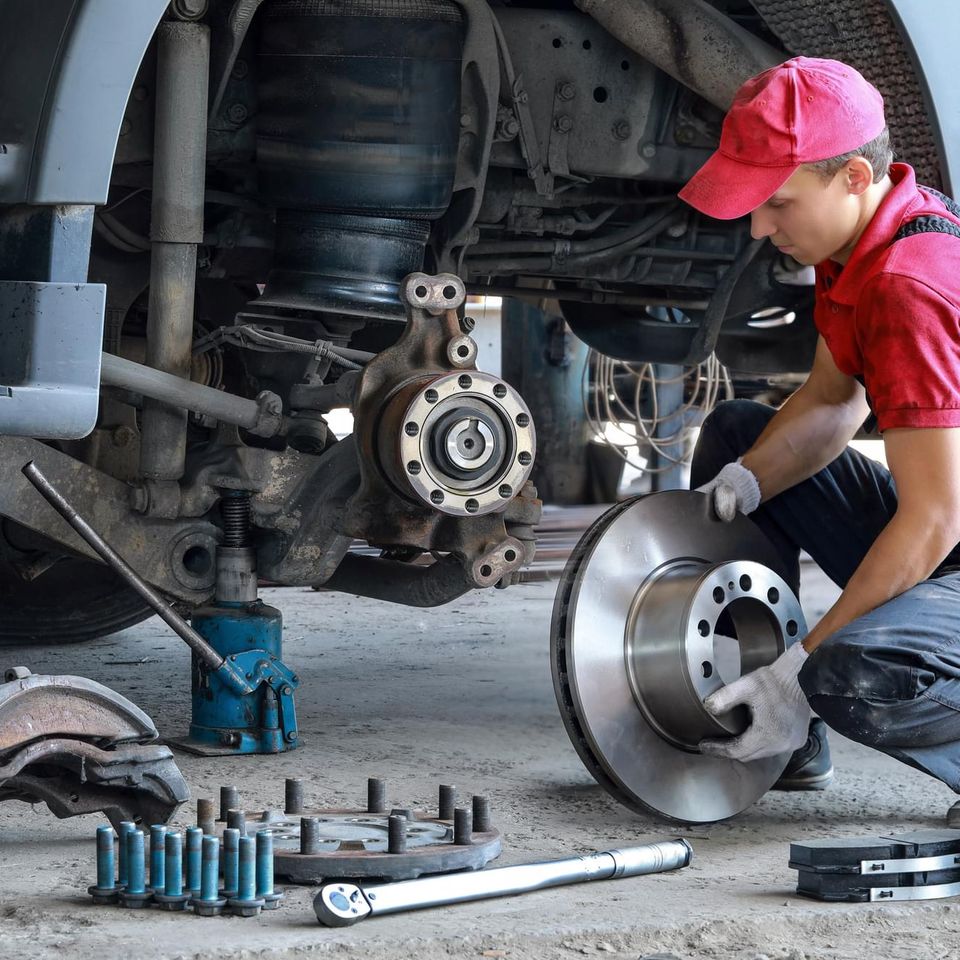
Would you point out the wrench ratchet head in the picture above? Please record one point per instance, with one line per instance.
(340, 904)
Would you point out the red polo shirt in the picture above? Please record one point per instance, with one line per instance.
(891, 314)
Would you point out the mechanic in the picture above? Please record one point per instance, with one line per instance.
(805, 152)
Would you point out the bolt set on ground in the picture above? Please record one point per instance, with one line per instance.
(245, 862)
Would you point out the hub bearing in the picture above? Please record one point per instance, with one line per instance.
(465, 443)
(660, 605)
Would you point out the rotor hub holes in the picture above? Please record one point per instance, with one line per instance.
(696, 627)
(470, 436)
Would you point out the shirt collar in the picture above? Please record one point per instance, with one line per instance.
(897, 205)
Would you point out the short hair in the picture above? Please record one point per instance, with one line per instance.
(878, 151)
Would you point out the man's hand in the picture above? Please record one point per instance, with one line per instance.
(779, 712)
(733, 488)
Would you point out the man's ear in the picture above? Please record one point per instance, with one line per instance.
(858, 174)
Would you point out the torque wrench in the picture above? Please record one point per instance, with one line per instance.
(341, 904)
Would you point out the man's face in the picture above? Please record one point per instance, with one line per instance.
(807, 218)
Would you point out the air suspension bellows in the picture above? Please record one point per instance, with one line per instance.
(356, 146)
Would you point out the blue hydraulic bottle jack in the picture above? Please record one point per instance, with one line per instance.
(242, 690)
(241, 628)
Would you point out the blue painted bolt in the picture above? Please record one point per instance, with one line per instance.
(194, 858)
(209, 903)
(157, 833)
(173, 865)
(126, 826)
(247, 879)
(105, 859)
(246, 903)
(172, 897)
(136, 895)
(105, 890)
(231, 861)
(265, 892)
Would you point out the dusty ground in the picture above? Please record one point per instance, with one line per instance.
(463, 694)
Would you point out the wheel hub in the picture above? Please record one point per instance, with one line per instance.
(461, 442)
(660, 606)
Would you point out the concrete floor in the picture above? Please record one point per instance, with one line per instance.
(463, 694)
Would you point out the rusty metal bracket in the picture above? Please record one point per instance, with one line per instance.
(157, 549)
(561, 126)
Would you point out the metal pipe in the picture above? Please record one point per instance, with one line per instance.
(113, 559)
(689, 39)
(177, 392)
(341, 904)
(582, 296)
(179, 170)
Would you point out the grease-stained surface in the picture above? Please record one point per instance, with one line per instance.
(463, 694)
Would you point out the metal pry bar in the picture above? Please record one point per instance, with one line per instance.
(342, 904)
(200, 647)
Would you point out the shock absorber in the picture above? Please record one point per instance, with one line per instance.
(225, 721)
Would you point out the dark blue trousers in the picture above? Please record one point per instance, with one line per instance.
(890, 679)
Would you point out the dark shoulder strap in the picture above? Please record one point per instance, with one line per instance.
(948, 202)
(932, 223)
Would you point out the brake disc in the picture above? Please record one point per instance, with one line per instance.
(660, 605)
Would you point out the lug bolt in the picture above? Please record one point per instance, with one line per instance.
(126, 826)
(481, 815)
(271, 898)
(376, 795)
(172, 898)
(231, 862)
(229, 800)
(205, 817)
(563, 124)
(237, 113)
(448, 800)
(195, 859)
(246, 903)
(105, 890)
(157, 853)
(462, 827)
(397, 834)
(209, 903)
(566, 90)
(136, 894)
(309, 835)
(237, 819)
(293, 796)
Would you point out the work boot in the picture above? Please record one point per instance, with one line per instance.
(810, 767)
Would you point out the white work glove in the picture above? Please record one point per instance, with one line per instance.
(733, 488)
(779, 712)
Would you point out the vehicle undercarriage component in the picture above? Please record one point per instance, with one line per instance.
(449, 452)
(80, 747)
(262, 417)
(691, 40)
(922, 865)
(312, 844)
(660, 605)
(176, 229)
(242, 690)
(341, 904)
(355, 190)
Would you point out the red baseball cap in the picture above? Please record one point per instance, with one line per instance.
(802, 111)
